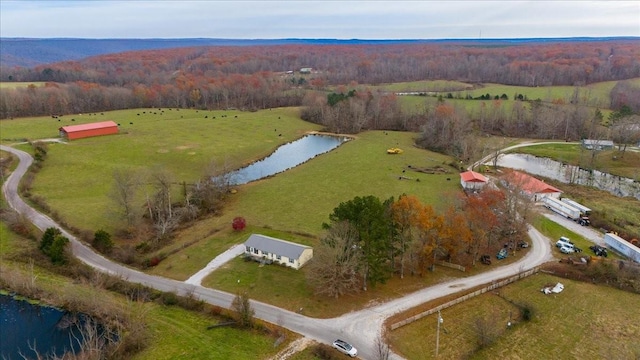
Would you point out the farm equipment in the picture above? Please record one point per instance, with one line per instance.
(394, 151)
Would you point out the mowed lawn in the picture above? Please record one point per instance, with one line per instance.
(585, 321)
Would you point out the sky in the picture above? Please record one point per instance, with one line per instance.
(329, 19)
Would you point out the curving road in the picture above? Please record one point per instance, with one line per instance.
(359, 327)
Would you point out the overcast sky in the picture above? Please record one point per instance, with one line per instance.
(337, 19)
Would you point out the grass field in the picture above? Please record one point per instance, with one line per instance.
(585, 321)
(15, 85)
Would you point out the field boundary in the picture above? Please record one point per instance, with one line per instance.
(494, 285)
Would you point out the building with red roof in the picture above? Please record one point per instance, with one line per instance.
(471, 180)
(73, 132)
(535, 188)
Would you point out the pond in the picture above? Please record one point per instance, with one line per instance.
(24, 326)
(287, 156)
(570, 174)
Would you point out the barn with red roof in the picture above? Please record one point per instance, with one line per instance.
(531, 186)
(471, 180)
(73, 132)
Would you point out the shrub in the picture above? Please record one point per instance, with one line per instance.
(102, 241)
(239, 223)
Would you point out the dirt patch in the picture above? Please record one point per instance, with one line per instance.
(294, 347)
(430, 170)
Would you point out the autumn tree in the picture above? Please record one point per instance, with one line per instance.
(482, 219)
(369, 216)
(333, 271)
(413, 222)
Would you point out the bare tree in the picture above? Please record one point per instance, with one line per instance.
(382, 351)
(126, 184)
(160, 206)
(244, 312)
(333, 271)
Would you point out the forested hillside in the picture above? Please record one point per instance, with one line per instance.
(335, 86)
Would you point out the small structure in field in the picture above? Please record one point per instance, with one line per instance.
(592, 144)
(73, 132)
(471, 180)
(283, 252)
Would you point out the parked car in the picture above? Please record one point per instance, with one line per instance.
(345, 348)
(523, 244)
(566, 250)
(599, 250)
(502, 254)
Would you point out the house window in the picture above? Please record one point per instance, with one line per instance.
(265, 254)
(292, 260)
(248, 248)
(279, 257)
(256, 251)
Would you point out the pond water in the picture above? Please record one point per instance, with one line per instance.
(287, 156)
(24, 325)
(570, 174)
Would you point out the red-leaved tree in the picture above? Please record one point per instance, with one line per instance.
(239, 223)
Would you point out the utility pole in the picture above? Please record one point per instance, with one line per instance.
(438, 333)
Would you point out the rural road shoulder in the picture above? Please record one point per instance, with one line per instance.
(360, 327)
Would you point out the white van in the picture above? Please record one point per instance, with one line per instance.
(564, 242)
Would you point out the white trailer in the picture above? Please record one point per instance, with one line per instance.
(622, 246)
(565, 210)
(583, 209)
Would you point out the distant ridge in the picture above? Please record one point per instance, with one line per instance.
(30, 52)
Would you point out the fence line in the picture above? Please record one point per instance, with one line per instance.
(451, 265)
(493, 286)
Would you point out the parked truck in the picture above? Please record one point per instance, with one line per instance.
(565, 210)
(585, 211)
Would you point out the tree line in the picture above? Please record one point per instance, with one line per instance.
(369, 240)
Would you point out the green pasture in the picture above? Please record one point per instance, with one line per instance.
(609, 161)
(183, 142)
(180, 334)
(15, 85)
(585, 321)
(424, 86)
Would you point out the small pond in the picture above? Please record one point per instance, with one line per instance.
(570, 174)
(287, 156)
(24, 325)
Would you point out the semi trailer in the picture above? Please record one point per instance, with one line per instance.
(565, 210)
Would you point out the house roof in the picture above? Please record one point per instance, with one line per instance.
(530, 184)
(472, 176)
(276, 246)
(90, 126)
(597, 142)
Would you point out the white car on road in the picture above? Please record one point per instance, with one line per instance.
(345, 348)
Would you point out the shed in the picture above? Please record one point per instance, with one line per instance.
(531, 186)
(279, 251)
(73, 132)
(591, 144)
(471, 180)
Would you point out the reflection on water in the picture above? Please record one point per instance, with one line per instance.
(286, 157)
(570, 174)
(23, 326)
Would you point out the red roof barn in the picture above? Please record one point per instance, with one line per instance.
(471, 180)
(532, 186)
(88, 130)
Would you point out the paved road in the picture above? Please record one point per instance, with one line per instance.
(359, 327)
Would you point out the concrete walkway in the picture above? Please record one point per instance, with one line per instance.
(218, 261)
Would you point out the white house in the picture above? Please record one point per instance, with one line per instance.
(279, 251)
(471, 180)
